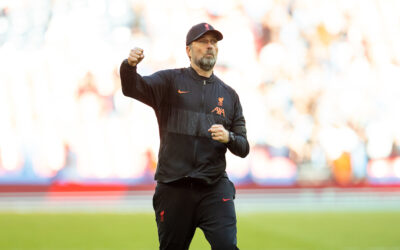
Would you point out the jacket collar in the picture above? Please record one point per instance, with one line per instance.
(196, 76)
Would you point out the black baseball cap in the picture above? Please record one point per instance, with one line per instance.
(200, 29)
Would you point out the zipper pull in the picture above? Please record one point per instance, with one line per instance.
(204, 82)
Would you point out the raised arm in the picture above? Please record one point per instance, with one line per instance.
(149, 89)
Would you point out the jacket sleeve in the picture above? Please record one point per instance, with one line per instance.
(240, 146)
(149, 89)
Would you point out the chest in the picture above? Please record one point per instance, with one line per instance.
(211, 99)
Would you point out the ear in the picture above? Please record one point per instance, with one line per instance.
(188, 48)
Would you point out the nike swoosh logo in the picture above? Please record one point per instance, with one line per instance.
(225, 200)
(182, 92)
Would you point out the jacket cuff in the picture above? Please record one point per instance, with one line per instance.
(128, 66)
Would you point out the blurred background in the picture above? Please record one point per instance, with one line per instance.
(318, 81)
(319, 85)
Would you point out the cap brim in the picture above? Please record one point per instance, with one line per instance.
(218, 34)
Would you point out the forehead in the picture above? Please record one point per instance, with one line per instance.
(208, 35)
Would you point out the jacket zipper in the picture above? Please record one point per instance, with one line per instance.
(202, 96)
(197, 134)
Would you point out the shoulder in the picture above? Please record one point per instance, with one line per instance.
(166, 74)
(171, 73)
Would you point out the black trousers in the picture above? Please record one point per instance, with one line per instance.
(182, 206)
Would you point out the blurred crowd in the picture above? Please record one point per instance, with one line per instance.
(317, 80)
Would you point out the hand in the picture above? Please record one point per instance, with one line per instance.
(219, 133)
(135, 57)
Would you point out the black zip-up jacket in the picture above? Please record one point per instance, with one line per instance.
(186, 105)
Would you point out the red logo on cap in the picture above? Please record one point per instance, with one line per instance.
(207, 27)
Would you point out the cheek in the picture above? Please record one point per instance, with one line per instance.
(198, 53)
(193, 54)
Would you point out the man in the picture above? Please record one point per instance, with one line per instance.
(199, 118)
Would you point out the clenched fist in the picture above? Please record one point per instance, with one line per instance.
(219, 133)
(136, 56)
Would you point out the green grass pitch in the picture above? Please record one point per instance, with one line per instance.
(302, 230)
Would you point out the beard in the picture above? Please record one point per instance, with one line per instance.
(205, 63)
